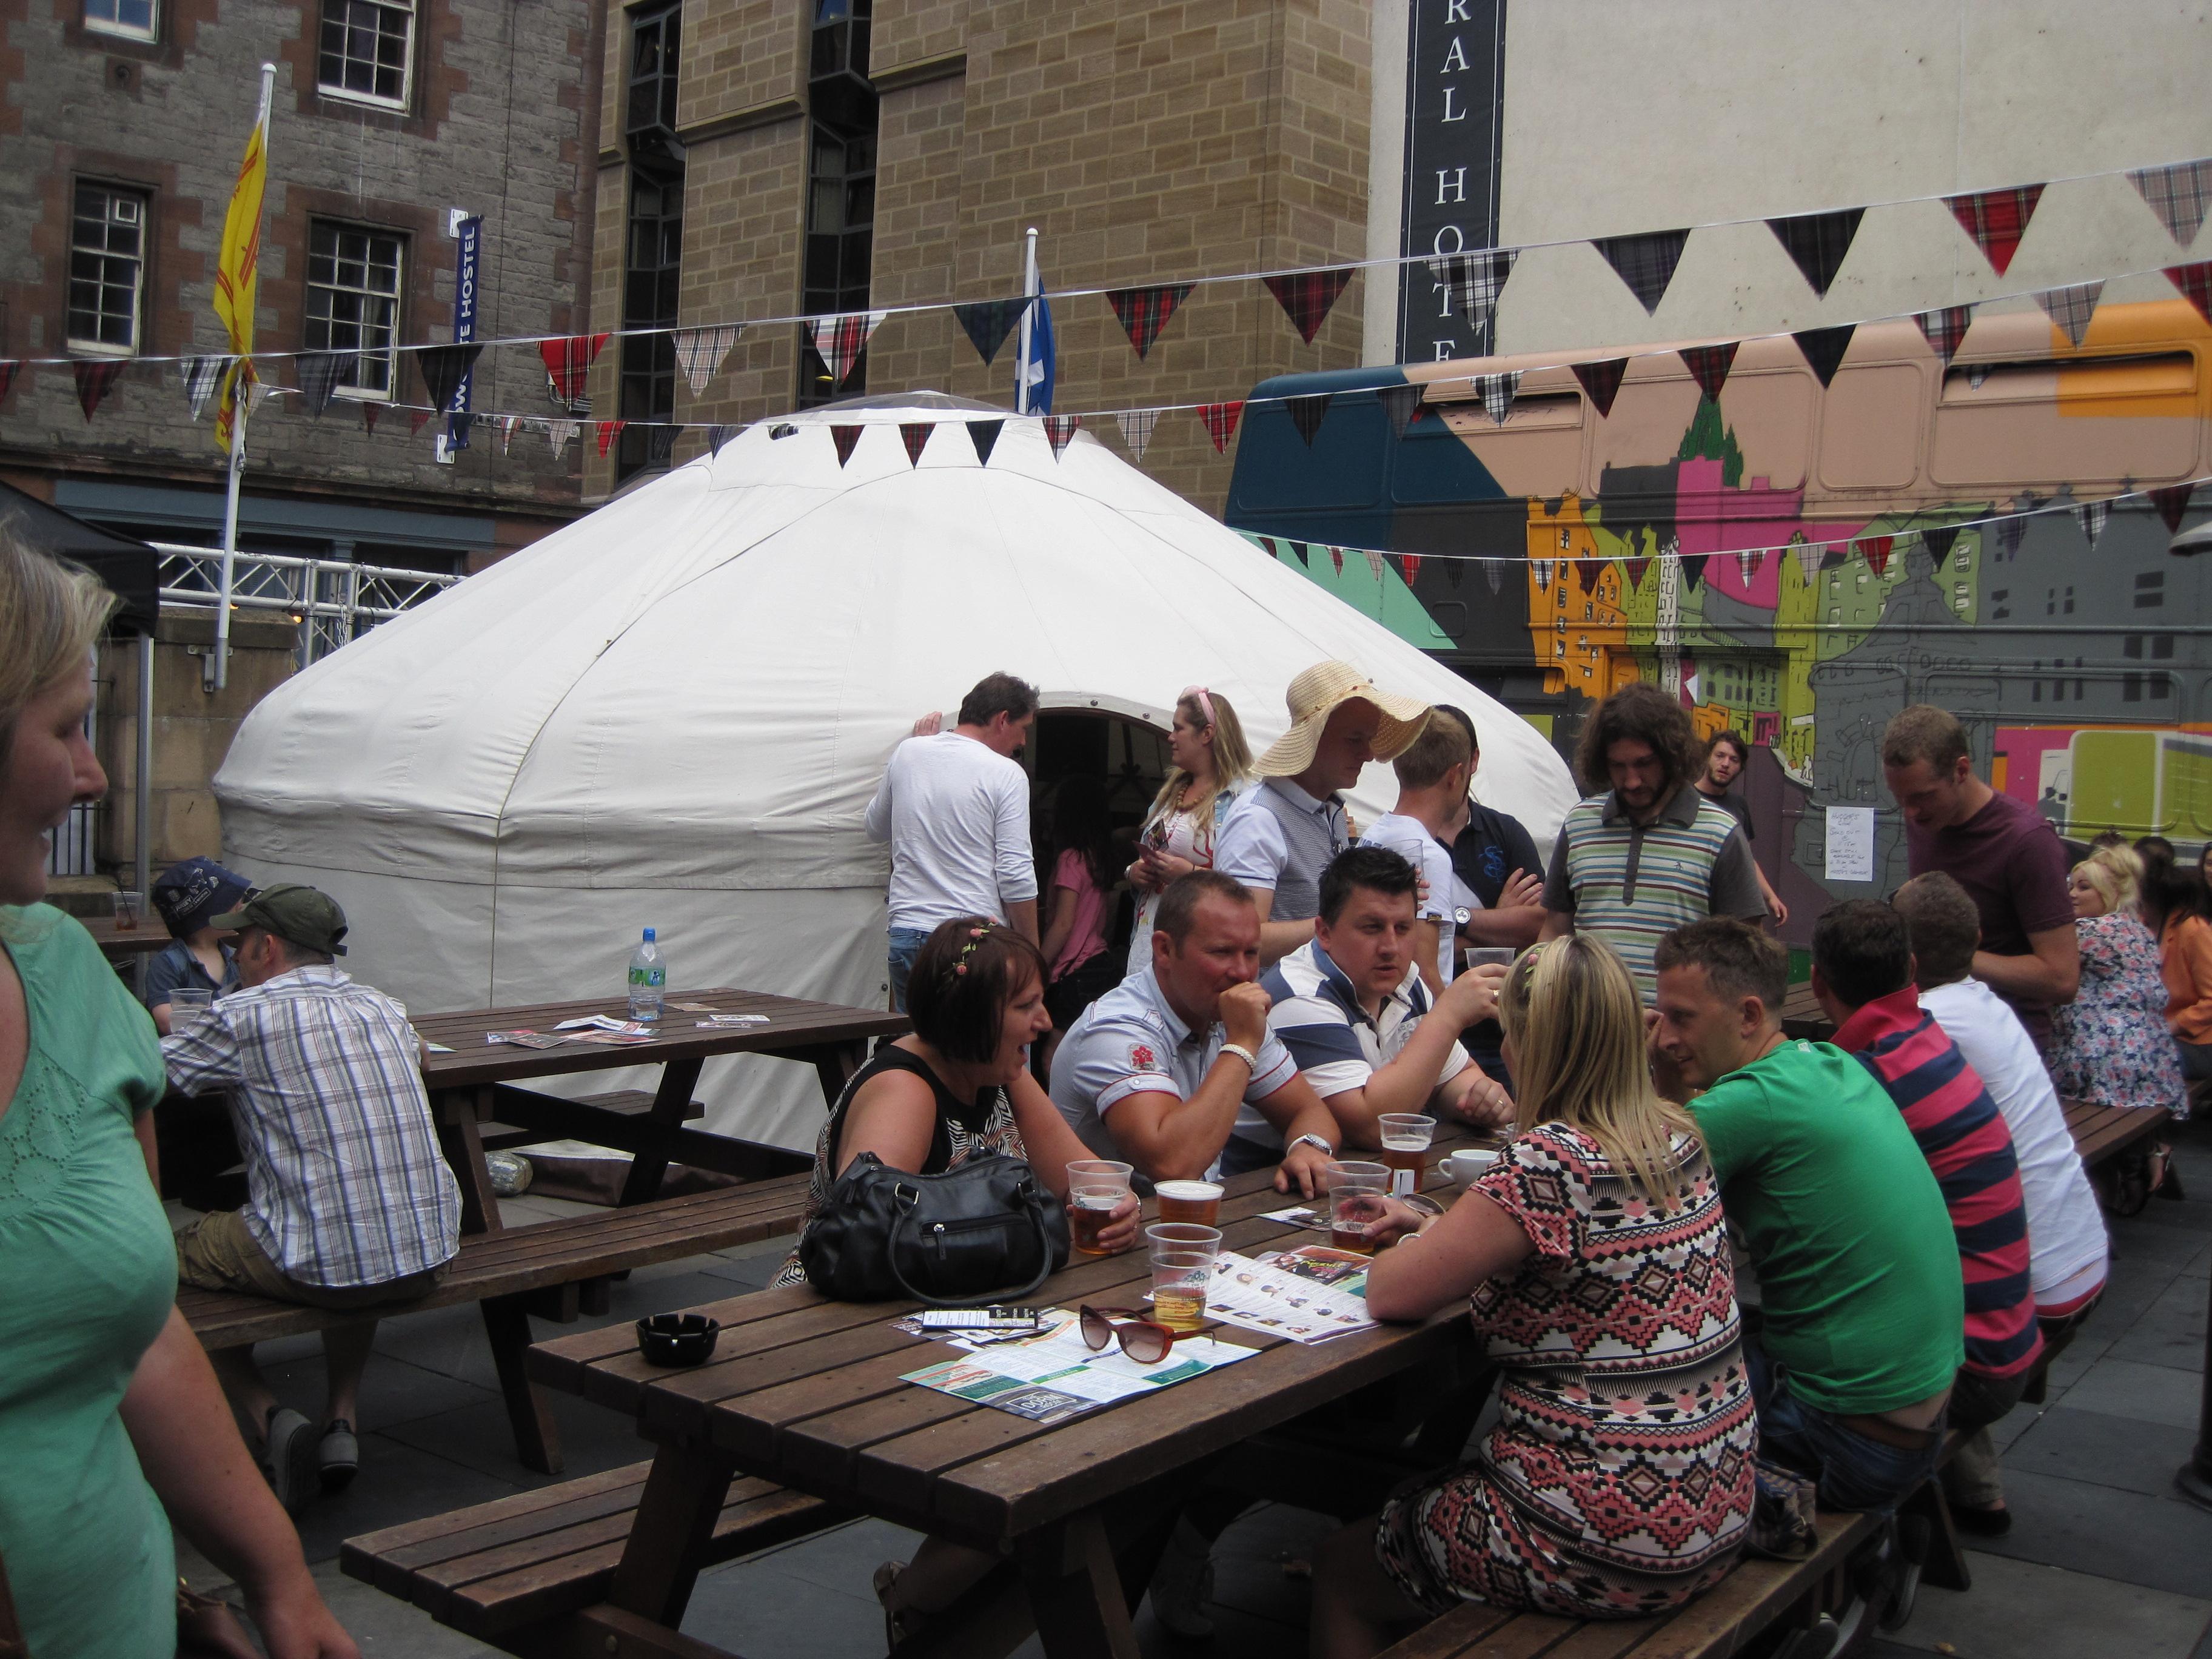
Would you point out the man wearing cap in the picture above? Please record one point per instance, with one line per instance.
(1281, 834)
(349, 1202)
(189, 896)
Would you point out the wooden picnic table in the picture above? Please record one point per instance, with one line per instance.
(149, 936)
(477, 1082)
(1803, 1017)
(807, 1393)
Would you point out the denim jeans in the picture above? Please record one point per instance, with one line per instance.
(1852, 1472)
(906, 943)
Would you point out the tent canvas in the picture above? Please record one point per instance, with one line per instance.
(128, 566)
(673, 712)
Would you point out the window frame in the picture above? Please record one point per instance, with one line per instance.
(389, 353)
(81, 346)
(324, 88)
(115, 29)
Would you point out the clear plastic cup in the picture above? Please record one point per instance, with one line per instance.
(1350, 1185)
(130, 910)
(1406, 1137)
(1198, 1201)
(1096, 1188)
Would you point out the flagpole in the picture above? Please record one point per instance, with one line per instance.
(241, 402)
(1021, 353)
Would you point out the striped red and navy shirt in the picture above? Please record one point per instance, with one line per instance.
(1964, 1138)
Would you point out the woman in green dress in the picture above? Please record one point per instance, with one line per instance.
(110, 1413)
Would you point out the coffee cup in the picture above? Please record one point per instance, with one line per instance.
(1467, 1165)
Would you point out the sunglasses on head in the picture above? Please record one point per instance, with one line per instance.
(1143, 1339)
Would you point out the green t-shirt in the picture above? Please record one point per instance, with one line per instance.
(91, 1274)
(1857, 1264)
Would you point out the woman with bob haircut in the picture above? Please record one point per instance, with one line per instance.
(1619, 1480)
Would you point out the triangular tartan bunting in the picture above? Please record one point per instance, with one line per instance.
(1645, 263)
(442, 367)
(507, 423)
(2195, 282)
(319, 374)
(1542, 569)
(1587, 571)
(257, 392)
(201, 375)
(95, 381)
(700, 352)
(2072, 307)
(1307, 295)
(1306, 414)
(1693, 567)
(1809, 558)
(2171, 503)
(1473, 282)
(846, 438)
(914, 434)
(1454, 570)
(1058, 430)
(1144, 311)
(1823, 347)
(568, 363)
(1875, 549)
(557, 436)
(1602, 380)
(2178, 195)
(1709, 366)
(605, 432)
(1220, 421)
(417, 419)
(2011, 530)
(840, 340)
(2091, 516)
(1496, 391)
(1996, 220)
(368, 412)
(7, 367)
(1409, 564)
(1401, 404)
(1939, 541)
(719, 436)
(984, 435)
(1945, 330)
(661, 442)
(1817, 242)
(1746, 565)
(987, 322)
(1374, 562)
(1137, 425)
(1299, 549)
(1636, 567)
(1494, 571)
(1336, 558)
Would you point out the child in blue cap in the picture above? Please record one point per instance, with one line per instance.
(189, 896)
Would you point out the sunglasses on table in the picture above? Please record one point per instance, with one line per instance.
(1143, 1338)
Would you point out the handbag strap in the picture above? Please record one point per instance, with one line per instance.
(1010, 1294)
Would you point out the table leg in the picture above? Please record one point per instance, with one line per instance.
(1075, 1591)
(838, 1063)
(658, 1135)
(536, 1435)
(676, 1516)
(454, 1111)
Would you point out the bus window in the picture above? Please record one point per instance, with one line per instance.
(1541, 442)
(2006, 422)
(1870, 427)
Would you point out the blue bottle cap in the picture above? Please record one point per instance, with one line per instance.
(649, 935)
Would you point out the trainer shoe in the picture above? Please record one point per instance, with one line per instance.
(341, 1456)
(289, 1458)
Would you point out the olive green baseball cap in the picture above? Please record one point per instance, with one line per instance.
(302, 915)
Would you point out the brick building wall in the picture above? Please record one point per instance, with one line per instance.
(498, 120)
(1145, 142)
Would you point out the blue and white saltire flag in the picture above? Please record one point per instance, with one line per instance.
(1034, 369)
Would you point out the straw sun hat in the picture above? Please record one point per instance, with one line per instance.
(1317, 693)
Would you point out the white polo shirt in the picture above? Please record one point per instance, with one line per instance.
(1318, 1019)
(1130, 1041)
(1409, 838)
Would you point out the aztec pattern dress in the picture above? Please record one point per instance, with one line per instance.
(2111, 1043)
(1618, 1480)
(964, 1129)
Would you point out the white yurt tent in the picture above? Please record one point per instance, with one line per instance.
(673, 712)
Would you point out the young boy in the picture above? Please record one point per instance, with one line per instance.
(189, 896)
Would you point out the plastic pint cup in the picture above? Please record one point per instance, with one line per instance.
(1096, 1188)
(1198, 1201)
(1406, 1137)
(1351, 1187)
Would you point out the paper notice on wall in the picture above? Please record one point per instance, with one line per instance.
(1850, 843)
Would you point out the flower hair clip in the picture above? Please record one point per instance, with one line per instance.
(975, 937)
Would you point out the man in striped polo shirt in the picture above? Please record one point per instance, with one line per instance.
(1862, 973)
(1647, 854)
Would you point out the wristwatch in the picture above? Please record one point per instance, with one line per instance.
(1326, 1150)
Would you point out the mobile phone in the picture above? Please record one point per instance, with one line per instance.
(979, 1319)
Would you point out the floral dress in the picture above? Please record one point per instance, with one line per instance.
(964, 1129)
(2111, 1044)
(1618, 1480)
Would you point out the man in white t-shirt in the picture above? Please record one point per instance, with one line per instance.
(1433, 775)
(955, 808)
(2067, 1245)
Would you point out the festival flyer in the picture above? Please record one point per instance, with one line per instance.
(1052, 1376)
(1308, 1294)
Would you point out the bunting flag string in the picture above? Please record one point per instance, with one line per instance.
(1409, 565)
(1824, 349)
(1402, 404)
(1602, 380)
(2091, 516)
(1808, 559)
(606, 432)
(1709, 366)
(1875, 549)
(7, 367)
(442, 367)
(1059, 429)
(1944, 329)
(320, 373)
(840, 340)
(200, 376)
(1817, 243)
(1938, 540)
(847, 439)
(1646, 262)
(984, 435)
(1220, 422)
(1336, 559)
(2195, 282)
(1144, 311)
(719, 436)
(419, 418)
(2011, 532)
(2171, 503)
(96, 378)
(660, 444)
(368, 414)
(1496, 391)
(507, 426)
(1996, 220)
(2071, 307)
(2177, 194)
(987, 322)
(558, 435)
(1471, 283)
(1307, 413)
(568, 363)
(914, 434)
(1137, 425)
(1373, 563)
(1306, 296)
(700, 352)
(1693, 566)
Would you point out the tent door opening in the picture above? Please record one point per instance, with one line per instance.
(1129, 757)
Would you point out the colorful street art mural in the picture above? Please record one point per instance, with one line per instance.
(1798, 561)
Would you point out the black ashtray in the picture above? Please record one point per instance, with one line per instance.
(676, 1339)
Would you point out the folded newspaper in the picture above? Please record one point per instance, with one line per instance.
(1308, 1294)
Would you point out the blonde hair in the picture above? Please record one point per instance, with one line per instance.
(1232, 761)
(50, 613)
(1571, 1012)
(2117, 874)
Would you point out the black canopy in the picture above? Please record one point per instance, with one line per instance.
(128, 566)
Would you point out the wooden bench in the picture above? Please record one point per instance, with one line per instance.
(519, 1271)
(505, 1572)
(630, 1103)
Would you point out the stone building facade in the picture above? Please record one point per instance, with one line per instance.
(837, 156)
(119, 145)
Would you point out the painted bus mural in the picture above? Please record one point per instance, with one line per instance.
(1795, 559)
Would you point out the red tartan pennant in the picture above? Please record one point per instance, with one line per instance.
(1059, 429)
(95, 381)
(367, 416)
(1602, 380)
(1709, 366)
(1144, 311)
(2195, 282)
(418, 419)
(1411, 564)
(1336, 558)
(846, 438)
(914, 434)
(1306, 296)
(1996, 220)
(840, 340)
(1587, 571)
(607, 431)
(2172, 504)
(568, 363)
(1875, 551)
(1220, 421)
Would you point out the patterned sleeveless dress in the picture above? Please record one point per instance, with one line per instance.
(1618, 1480)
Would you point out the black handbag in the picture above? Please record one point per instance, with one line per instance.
(986, 1231)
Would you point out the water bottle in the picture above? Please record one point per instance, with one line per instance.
(648, 978)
